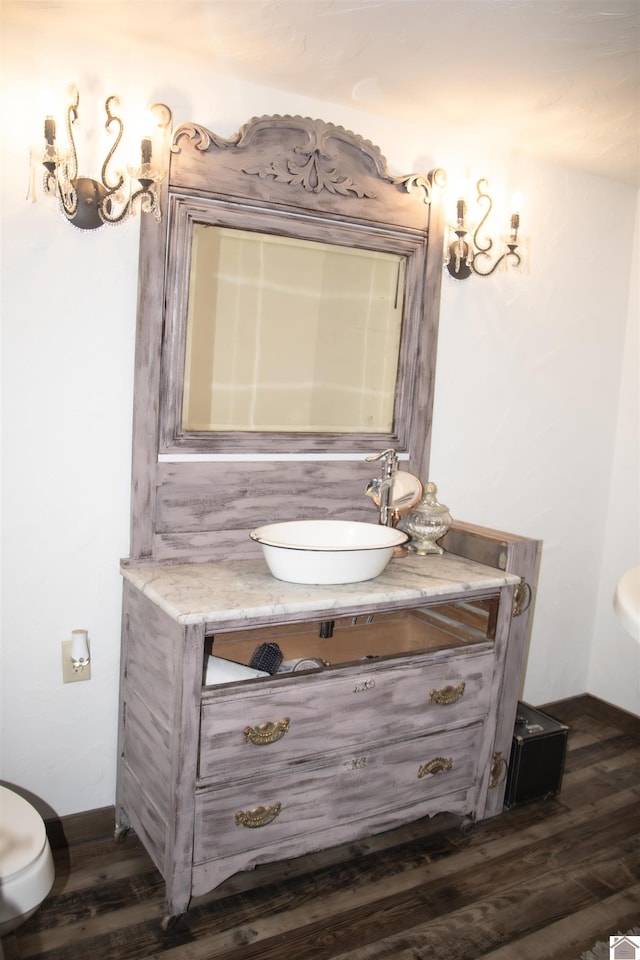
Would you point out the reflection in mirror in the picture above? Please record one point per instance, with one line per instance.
(290, 335)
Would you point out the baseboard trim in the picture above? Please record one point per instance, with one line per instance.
(78, 828)
(100, 824)
(586, 704)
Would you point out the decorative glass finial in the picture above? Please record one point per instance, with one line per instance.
(427, 522)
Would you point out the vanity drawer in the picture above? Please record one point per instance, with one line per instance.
(291, 719)
(333, 790)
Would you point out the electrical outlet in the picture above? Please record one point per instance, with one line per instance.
(71, 674)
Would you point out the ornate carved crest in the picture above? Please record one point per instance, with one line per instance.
(312, 155)
(314, 165)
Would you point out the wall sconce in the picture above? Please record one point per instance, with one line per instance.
(469, 253)
(90, 204)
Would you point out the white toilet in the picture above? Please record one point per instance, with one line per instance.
(26, 863)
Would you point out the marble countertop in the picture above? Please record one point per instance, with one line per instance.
(245, 590)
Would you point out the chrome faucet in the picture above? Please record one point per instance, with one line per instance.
(380, 487)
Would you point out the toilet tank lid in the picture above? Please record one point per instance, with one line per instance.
(22, 834)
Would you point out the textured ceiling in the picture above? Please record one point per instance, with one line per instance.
(557, 79)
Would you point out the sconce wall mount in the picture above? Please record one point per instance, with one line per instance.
(90, 203)
(470, 253)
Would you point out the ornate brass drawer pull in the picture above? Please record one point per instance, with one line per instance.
(266, 732)
(498, 770)
(437, 765)
(521, 598)
(259, 816)
(446, 695)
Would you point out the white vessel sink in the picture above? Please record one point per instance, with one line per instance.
(626, 601)
(327, 551)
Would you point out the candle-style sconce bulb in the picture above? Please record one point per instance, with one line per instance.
(49, 130)
(515, 226)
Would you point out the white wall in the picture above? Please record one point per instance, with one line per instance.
(614, 669)
(526, 410)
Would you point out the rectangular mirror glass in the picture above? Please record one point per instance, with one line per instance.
(290, 335)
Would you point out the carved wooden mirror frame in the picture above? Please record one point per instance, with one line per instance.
(194, 496)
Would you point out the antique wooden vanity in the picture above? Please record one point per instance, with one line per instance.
(405, 703)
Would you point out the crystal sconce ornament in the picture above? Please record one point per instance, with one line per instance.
(469, 251)
(89, 203)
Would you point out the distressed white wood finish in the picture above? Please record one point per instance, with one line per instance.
(162, 672)
(300, 178)
(371, 690)
(520, 555)
(330, 790)
(359, 731)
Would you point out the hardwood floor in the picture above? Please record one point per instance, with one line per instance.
(542, 881)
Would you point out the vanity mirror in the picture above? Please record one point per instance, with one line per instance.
(288, 313)
(290, 335)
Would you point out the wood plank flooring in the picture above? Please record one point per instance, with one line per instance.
(542, 881)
